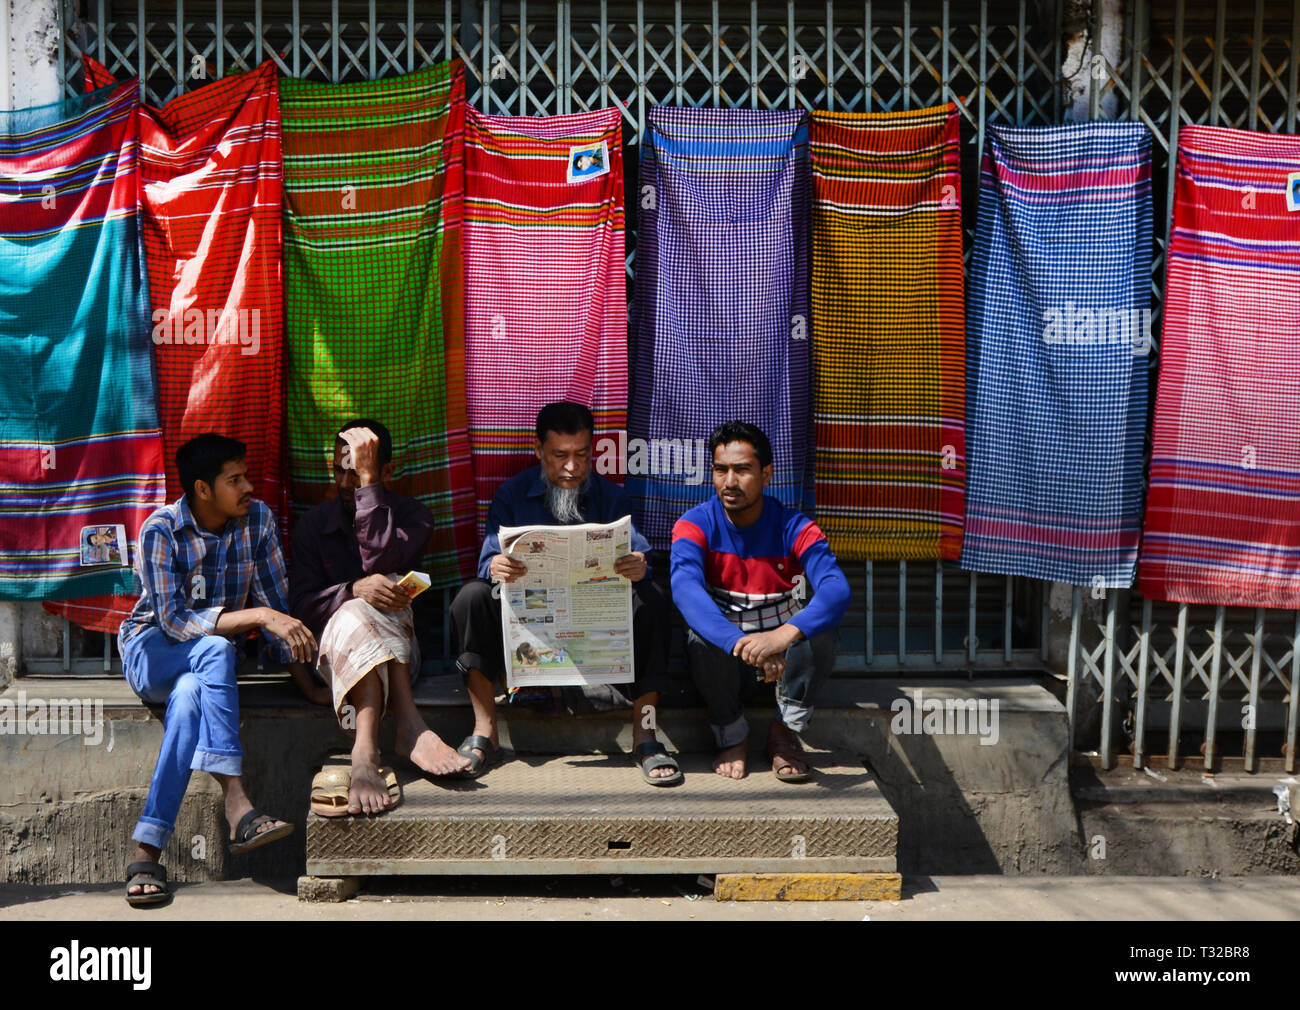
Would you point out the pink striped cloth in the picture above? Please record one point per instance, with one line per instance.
(545, 284)
(1223, 509)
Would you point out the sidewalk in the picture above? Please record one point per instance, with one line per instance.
(662, 899)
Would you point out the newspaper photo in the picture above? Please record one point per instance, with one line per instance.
(568, 619)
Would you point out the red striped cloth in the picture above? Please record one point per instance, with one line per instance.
(210, 188)
(1223, 509)
(545, 284)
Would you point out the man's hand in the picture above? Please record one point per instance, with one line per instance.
(506, 569)
(381, 592)
(773, 667)
(754, 649)
(316, 692)
(363, 447)
(631, 566)
(292, 632)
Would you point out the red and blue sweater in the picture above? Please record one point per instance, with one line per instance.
(730, 582)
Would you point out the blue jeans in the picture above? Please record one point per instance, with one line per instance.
(196, 680)
(724, 681)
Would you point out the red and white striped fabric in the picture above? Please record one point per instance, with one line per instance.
(1223, 510)
(545, 285)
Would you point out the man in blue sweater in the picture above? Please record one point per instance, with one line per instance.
(742, 567)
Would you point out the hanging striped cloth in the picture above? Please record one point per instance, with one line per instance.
(210, 206)
(545, 284)
(889, 392)
(79, 438)
(1058, 341)
(1223, 511)
(374, 289)
(721, 304)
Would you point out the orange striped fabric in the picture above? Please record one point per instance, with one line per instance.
(888, 329)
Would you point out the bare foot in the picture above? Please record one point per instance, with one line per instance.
(368, 792)
(786, 752)
(425, 749)
(730, 763)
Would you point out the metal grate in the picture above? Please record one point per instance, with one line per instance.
(1001, 61)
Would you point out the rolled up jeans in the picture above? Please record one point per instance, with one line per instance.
(724, 681)
(196, 681)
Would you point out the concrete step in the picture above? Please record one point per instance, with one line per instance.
(965, 803)
(1139, 822)
(594, 814)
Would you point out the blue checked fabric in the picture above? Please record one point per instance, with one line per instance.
(1058, 353)
(720, 326)
(188, 575)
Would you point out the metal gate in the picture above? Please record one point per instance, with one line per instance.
(1149, 673)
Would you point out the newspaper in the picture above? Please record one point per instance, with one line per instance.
(568, 620)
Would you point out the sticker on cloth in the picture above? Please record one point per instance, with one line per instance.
(104, 545)
(1293, 191)
(588, 161)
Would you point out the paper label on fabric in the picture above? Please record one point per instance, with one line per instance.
(104, 545)
(1293, 191)
(588, 161)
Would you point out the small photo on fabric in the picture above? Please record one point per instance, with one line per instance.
(104, 545)
(1293, 191)
(588, 161)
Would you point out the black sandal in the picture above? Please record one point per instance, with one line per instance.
(146, 872)
(651, 755)
(492, 756)
(247, 837)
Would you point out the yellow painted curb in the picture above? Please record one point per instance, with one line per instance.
(808, 887)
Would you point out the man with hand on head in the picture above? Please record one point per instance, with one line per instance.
(211, 570)
(560, 490)
(739, 562)
(348, 555)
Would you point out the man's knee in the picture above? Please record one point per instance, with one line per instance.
(475, 592)
(648, 604)
(185, 698)
(355, 606)
(214, 652)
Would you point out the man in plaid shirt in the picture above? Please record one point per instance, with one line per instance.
(210, 569)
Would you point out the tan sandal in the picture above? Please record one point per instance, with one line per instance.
(329, 790)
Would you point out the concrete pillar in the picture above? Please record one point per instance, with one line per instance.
(29, 61)
(1083, 69)
(29, 75)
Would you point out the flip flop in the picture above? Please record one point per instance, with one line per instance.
(144, 872)
(493, 756)
(651, 755)
(247, 837)
(329, 790)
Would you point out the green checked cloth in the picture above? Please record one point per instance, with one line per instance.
(374, 289)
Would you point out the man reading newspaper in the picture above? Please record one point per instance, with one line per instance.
(560, 490)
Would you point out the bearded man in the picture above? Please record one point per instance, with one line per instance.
(560, 490)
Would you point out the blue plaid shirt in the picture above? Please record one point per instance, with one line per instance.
(188, 576)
